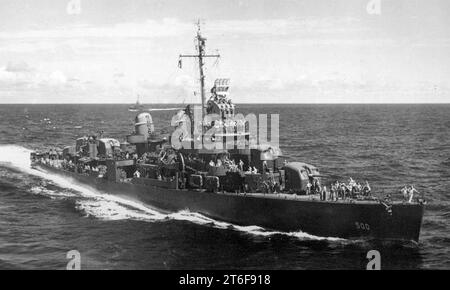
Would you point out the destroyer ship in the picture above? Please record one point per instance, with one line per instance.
(245, 183)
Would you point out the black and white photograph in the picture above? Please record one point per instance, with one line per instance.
(245, 136)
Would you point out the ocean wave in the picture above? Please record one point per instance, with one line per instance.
(53, 194)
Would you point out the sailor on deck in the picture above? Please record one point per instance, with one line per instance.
(241, 165)
(323, 195)
(333, 196)
(316, 186)
(411, 192)
(367, 188)
(308, 188)
(265, 167)
(351, 182)
(405, 192)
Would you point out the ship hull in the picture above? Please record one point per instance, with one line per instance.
(349, 220)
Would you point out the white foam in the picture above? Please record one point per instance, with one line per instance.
(111, 210)
(15, 156)
(41, 190)
(111, 207)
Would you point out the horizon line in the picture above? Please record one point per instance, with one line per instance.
(244, 103)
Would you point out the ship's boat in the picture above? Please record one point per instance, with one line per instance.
(240, 181)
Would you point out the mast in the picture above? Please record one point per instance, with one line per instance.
(201, 42)
(201, 45)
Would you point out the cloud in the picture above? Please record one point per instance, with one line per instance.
(287, 57)
(148, 29)
(119, 75)
(168, 27)
(16, 67)
(20, 75)
(54, 78)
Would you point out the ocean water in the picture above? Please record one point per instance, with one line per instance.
(43, 216)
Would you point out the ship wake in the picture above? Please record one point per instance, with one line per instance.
(92, 203)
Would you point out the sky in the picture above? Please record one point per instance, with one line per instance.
(273, 51)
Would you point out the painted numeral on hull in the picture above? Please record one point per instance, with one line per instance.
(362, 226)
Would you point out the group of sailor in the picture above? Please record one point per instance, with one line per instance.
(231, 165)
(408, 192)
(313, 186)
(98, 171)
(138, 173)
(351, 189)
(252, 170)
(87, 168)
(69, 165)
(134, 156)
(338, 190)
(57, 163)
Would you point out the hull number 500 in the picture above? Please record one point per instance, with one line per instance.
(362, 226)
